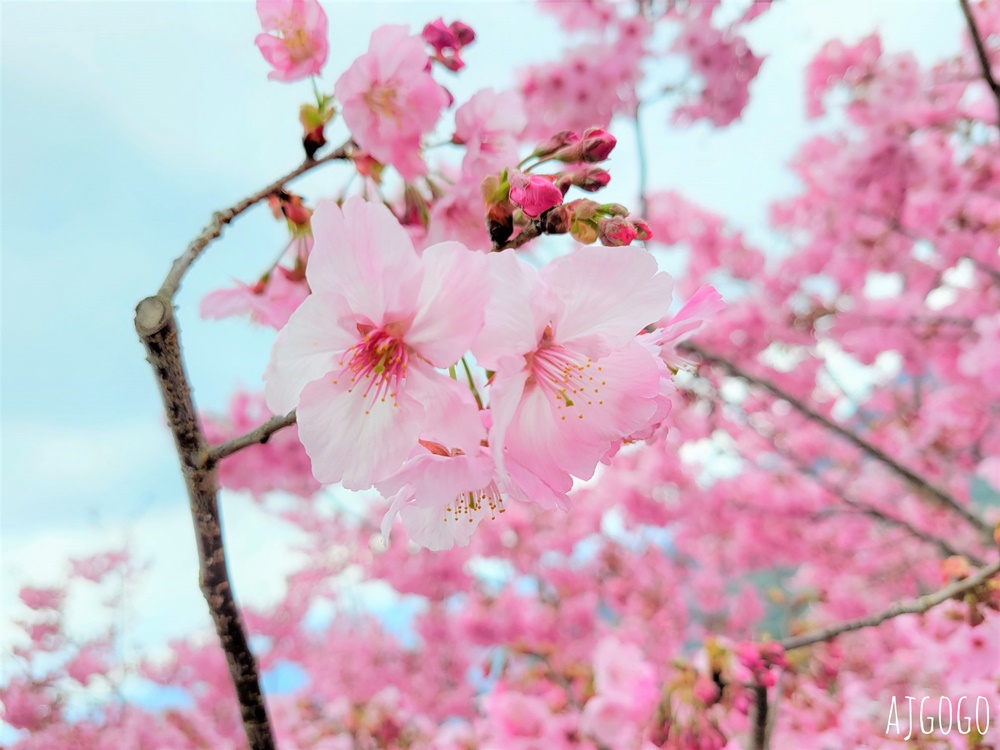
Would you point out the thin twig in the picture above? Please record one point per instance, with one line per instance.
(984, 60)
(912, 607)
(255, 437)
(919, 483)
(221, 218)
(944, 546)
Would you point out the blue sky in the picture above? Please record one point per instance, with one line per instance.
(126, 124)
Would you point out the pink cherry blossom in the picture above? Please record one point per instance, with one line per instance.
(269, 302)
(360, 352)
(570, 380)
(533, 193)
(389, 99)
(446, 487)
(300, 48)
(488, 125)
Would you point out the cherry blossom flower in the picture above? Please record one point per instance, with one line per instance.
(358, 357)
(488, 125)
(270, 302)
(570, 381)
(447, 486)
(389, 99)
(300, 48)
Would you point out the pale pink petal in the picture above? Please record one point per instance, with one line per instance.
(305, 349)
(427, 490)
(516, 314)
(225, 303)
(621, 398)
(608, 295)
(353, 438)
(704, 304)
(451, 415)
(363, 253)
(550, 434)
(451, 304)
(433, 528)
(400, 498)
(525, 486)
(505, 394)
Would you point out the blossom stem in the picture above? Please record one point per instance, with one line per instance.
(472, 383)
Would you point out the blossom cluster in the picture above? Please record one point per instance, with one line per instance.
(551, 369)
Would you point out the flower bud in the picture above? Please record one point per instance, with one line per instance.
(584, 209)
(614, 209)
(642, 229)
(533, 193)
(560, 140)
(314, 120)
(616, 232)
(368, 167)
(500, 222)
(557, 221)
(595, 145)
(590, 179)
(583, 232)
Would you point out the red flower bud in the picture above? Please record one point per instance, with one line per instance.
(616, 231)
(534, 194)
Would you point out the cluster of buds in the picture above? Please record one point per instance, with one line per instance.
(448, 42)
(589, 221)
(517, 197)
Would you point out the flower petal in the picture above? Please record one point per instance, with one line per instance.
(451, 305)
(362, 253)
(517, 313)
(305, 349)
(608, 296)
(356, 439)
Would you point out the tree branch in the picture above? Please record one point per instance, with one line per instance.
(920, 484)
(913, 607)
(758, 719)
(257, 436)
(984, 60)
(221, 218)
(944, 546)
(156, 326)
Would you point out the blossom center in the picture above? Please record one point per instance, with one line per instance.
(467, 504)
(377, 364)
(297, 42)
(381, 99)
(569, 379)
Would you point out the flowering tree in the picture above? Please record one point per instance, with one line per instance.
(625, 513)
